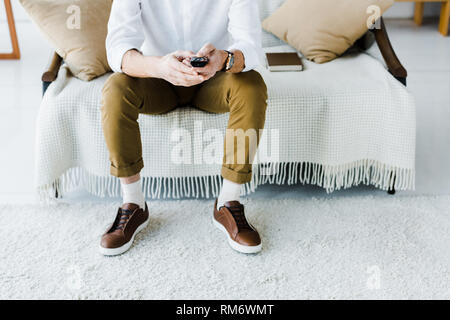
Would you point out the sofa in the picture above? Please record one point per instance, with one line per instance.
(335, 125)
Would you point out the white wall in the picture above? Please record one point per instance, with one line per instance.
(19, 12)
(399, 10)
(406, 10)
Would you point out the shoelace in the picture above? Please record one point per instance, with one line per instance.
(239, 217)
(124, 217)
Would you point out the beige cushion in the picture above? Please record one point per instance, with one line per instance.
(323, 29)
(77, 29)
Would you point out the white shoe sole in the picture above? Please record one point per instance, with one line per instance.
(126, 246)
(233, 244)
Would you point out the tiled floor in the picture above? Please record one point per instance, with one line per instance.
(423, 51)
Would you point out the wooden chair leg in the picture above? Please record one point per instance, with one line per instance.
(392, 191)
(445, 17)
(418, 13)
(12, 32)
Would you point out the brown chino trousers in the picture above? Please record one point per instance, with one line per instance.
(243, 95)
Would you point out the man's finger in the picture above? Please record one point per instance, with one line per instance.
(210, 76)
(183, 54)
(190, 79)
(188, 63)
(205, 70)
(178, 80)
(206, 50)
(184, 83)
(182, 67)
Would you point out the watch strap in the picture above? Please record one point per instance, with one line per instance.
(229, 63)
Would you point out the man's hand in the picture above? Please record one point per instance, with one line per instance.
(169, 67)
(176, 67)
(217, 59)
(172, 69)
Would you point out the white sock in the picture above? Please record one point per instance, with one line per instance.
(231, 191)
(132, 193)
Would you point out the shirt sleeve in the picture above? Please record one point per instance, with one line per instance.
(245, 29)
(125, 31)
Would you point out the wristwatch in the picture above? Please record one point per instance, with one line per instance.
(229, 63)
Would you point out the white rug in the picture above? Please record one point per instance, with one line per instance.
(359, 247)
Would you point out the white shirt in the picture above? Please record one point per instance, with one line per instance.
(159, 27)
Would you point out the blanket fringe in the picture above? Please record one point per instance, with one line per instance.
(331, 178)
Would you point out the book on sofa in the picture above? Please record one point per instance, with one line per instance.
(284, 61)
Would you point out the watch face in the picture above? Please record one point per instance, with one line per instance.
(230, 61)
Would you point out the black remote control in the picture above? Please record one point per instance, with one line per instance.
(199, 62)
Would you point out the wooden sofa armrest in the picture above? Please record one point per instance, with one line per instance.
(393, 63)
(51, 72)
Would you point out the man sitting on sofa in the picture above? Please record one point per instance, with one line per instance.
(150, 45)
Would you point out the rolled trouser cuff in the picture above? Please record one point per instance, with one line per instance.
(125, 172)
(236, 177)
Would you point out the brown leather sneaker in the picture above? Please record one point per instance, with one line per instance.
(129, 221)
(242, 236)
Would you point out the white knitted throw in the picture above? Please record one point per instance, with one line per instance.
(340, 124)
